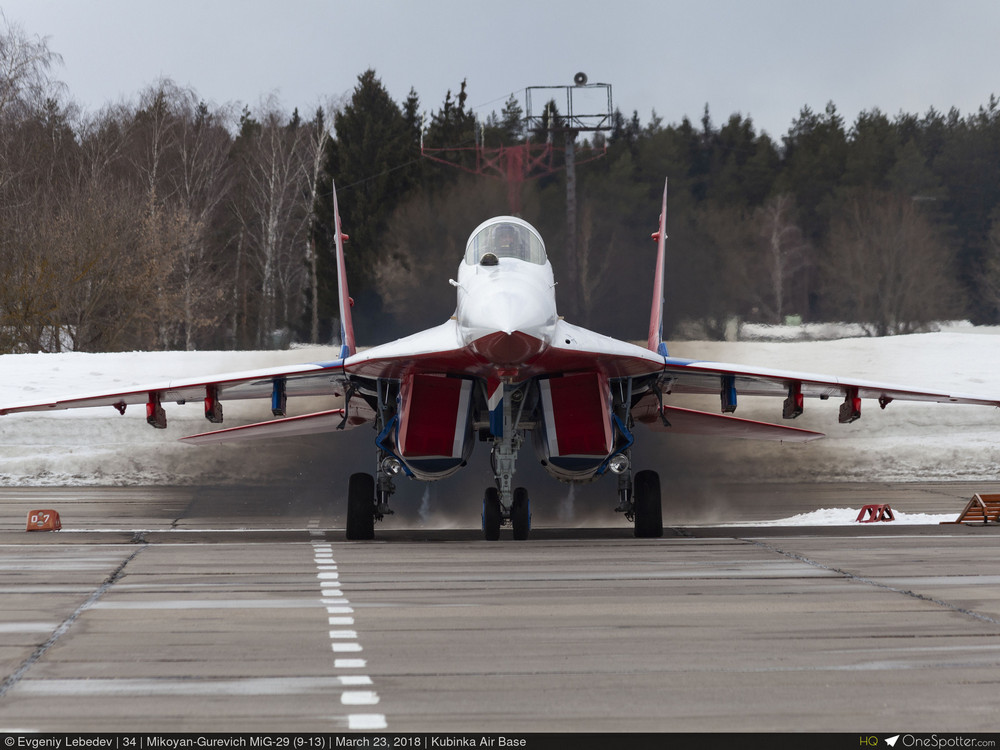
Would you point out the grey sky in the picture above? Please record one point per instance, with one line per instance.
(766, 59)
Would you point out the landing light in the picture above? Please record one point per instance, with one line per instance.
(390, 466)
(619, 464)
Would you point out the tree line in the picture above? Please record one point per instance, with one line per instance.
(170, 223)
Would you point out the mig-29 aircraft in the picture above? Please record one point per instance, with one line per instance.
(505, 367)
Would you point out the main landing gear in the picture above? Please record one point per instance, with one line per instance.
(639, 500)
(361, 507)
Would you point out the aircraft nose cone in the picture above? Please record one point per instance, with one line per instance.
(508, 349)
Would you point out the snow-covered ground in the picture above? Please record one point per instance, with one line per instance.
(905, 442)
(847, 517)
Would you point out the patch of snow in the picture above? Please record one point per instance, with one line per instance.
(848, 517)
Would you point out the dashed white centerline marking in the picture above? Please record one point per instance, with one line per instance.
(359, 698)
(343, 648)
(349, 663)
(355, 680)
(345, 641)
(366, 721)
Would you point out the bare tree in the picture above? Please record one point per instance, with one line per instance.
(784, 251)
(271, 211)
(107, 268)
(426, 243)
(25, 63)
(202, 183)
(886, 267)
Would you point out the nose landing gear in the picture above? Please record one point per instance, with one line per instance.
(518, 515)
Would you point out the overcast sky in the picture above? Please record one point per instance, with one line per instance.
(765, 59)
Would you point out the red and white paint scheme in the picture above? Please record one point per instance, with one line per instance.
(503, 368)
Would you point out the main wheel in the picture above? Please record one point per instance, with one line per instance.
(520, 513)
(492, 517)
(361, 507)
(648, 511)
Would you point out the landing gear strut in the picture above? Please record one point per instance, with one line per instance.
(504, 503)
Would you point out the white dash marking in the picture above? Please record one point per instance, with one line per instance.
(341, 621)
(343, 648)
(343, 633)
(366, 721)
(355, 679)
(359, 698)
(350, 663)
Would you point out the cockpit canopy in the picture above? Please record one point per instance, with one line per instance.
(504, 237)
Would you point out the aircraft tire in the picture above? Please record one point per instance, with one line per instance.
(520, 514)
(361, 507)
(648, 510)
(492, 518)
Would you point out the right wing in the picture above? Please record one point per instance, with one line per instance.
(318, 379)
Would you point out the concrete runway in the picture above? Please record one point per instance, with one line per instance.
(242, 609)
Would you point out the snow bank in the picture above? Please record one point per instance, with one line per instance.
(847, 517)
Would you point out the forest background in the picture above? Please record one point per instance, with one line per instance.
(170, 223)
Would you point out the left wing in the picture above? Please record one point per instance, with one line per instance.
(673, 419)
(732, 380)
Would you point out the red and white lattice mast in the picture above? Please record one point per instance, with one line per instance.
(588, 108)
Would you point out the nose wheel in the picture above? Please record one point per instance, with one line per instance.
(495, 515)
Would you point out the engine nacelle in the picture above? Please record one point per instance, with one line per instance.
(575, 434)
(435, 428)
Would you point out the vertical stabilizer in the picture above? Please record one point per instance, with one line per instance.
(655, 340)
(347, 346)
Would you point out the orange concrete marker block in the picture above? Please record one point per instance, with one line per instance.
(43, 520)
